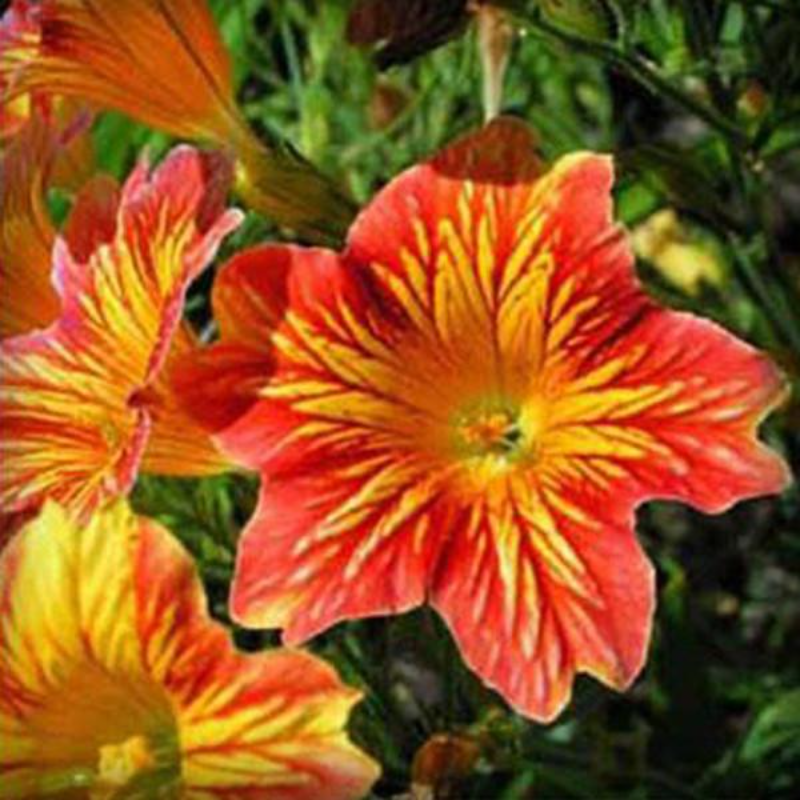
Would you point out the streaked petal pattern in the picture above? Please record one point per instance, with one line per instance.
(161, 61)
(78, 400)
(248, 300)
(178, 444)
(19, 42)
(468, 405)
(49, 150)
(29, 300)
(114, 678)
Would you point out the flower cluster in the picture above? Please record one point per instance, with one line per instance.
(463, 406)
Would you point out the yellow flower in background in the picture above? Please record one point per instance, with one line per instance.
(114, 682)
(684, 261)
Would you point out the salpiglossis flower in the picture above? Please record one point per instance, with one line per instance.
(114, 681)
(29, 300)
(51, 149)
(163, 62)
(88, 399)
(466, 407)
(19, 40)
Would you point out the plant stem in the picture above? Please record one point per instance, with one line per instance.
(775, 304)
(643, 71)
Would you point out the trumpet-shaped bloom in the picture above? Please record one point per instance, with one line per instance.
(161, 61)
(115, 682)
(164, 63)
(81, 399)
(50, 149)
(467, 406)
(19, 41)
(29, 300)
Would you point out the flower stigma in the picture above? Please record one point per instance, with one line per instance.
(489, 432)
(119, 763)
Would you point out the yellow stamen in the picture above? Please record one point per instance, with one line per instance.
(488, 432)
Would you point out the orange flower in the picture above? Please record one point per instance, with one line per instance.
(114, 681)
(50, 149)
(163, 62)
(82, 400)
(29, 300)
(19, 42)
(467, 406)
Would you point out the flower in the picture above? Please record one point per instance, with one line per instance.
(50, 149)
(19, 40)
(114, 679)
(163, 62)
(684, 261)
(83, 401)
(466, 407)
(29, 300)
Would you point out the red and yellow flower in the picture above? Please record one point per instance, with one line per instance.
(163, 63)
(19, 42)
(114, 680)
(50, 149)
(466, 407)
(29, 300)
(84, 401)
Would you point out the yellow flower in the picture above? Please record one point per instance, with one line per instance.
(113, 679)
(685, 263)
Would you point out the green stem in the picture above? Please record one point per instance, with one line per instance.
(642, 71)
(774, 303)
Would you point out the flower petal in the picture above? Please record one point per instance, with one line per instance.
(92, 220)
(19, 39)
(163, 63)
(178, 444)
(47, 151)
(538, 585)
(74, 397)
(26, 232)
(323, 532)
(354, 540)
(274, 720)
(106, 638)
(72, 674)
(160, 61)
(248, 300)
(643, 401)
(660, 418)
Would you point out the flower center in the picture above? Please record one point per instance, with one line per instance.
(119, 763)
(492, 430)
(489, 432)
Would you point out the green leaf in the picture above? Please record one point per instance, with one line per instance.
(592, 19)
(683, 178)
(777, 728)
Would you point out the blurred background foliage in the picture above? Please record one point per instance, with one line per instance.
(700, 103)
